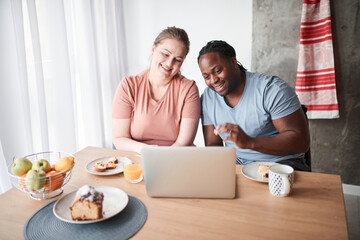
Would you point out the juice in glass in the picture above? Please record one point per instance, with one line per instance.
(133, 172)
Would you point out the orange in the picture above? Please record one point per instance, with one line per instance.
(22, 182)
(64, 163)
(54, 180)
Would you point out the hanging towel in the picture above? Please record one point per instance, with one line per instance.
(315, 80)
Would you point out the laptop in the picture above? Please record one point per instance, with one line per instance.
(189, 172)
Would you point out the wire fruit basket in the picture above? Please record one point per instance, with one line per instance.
(49, 186)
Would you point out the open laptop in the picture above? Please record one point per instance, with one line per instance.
(189, 172)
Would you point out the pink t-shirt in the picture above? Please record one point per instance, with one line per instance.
(155, 122)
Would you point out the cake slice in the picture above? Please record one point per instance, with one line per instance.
(113, 160)
(87, 204)
(99, 166)
(110, 165)
(263, 170)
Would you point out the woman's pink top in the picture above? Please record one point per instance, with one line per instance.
(155, 122)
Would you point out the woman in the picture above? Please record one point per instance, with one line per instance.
(158, 106)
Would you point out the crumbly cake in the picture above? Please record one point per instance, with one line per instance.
(113, 160)
(100, 166)
(263, 170)
(110, 165)
(87, 204)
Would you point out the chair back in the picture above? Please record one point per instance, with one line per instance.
(307, 155)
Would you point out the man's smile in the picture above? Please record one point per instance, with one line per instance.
(219, 87)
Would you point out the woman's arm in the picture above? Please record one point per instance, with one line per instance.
(190, 117)
(187, 133)
(121, 136)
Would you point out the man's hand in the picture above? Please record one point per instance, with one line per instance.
(236, 134)
(293, 136)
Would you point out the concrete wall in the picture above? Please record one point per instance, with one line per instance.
(335, 143)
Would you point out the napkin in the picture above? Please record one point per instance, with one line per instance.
(315, 80)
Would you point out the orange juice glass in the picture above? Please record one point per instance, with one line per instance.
(133, 172)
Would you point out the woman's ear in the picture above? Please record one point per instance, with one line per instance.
(153, 49)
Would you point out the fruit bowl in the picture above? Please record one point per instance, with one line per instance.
(48, 186)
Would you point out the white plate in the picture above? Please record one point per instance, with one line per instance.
(115, 200)
(119, 166)
(251, 171)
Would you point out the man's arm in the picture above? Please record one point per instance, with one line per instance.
(293, 136)
(210, 138)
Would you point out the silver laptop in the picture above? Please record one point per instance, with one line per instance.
(189, 172)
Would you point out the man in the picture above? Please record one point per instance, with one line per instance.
(257, 114)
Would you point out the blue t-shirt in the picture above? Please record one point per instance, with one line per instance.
(265, 98)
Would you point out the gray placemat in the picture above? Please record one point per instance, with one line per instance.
(43, 224)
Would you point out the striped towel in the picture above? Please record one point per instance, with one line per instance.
(315, 80)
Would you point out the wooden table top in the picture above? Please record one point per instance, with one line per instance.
(314, 210)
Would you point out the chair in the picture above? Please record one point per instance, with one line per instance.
(307, 155)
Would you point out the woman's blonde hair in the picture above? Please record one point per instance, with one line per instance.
(174, 33)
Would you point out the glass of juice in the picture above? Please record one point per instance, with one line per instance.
(133, 172)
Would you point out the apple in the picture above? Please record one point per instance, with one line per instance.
(41, 164)
(35, 179)
(20, 166)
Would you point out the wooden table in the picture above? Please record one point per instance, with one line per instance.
(314, 210)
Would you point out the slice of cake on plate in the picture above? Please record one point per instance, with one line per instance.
(263, 170)
(87, 204)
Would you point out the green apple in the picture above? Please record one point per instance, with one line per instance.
(35, 179)
(20, 166)
(41, 165)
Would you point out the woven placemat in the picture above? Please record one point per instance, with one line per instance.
(43, 224)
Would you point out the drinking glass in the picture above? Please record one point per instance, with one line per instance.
(133, 172)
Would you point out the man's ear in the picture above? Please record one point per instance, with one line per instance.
(234, 62)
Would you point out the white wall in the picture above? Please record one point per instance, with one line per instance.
(203, 20)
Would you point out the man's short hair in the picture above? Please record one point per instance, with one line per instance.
(224, 49)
